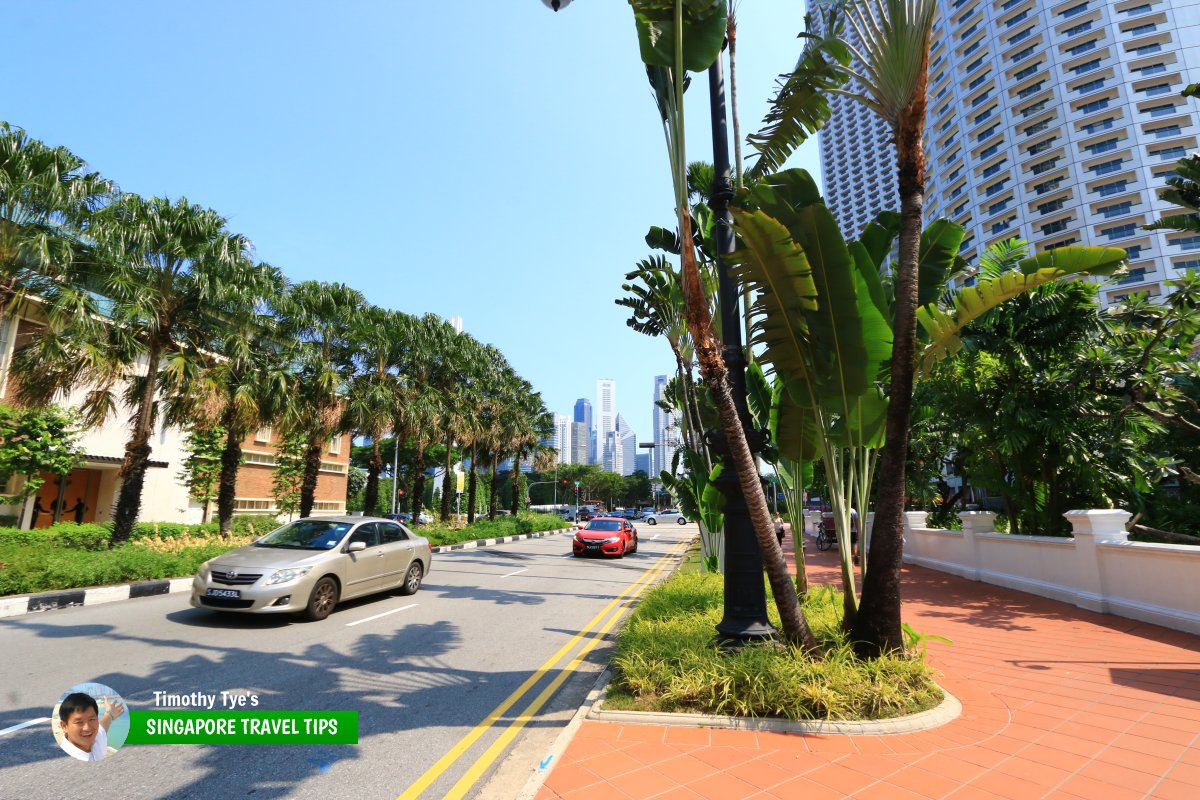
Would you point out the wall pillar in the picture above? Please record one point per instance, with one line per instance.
(1089, 528)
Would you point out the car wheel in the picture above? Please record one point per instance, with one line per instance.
(412, 579)
(635, 545)
(322, 600)
(624, 549)
(682, 521)
(651, 521)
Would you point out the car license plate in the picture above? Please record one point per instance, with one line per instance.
(593, 547)
(234, 593)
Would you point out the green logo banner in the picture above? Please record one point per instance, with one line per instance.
(243, 727)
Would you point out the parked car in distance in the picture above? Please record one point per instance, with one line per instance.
(668, 515)
(312, 564)
(609, 536)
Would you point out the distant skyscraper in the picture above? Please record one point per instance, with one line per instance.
(583, 413)
(562, 438)
(456, 323)
(580, 439)
(606, 416)
(666, 431)
(642, 462)
(626, 446)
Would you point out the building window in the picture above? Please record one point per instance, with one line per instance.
(1133, 252)
(1161, 111)
(1186, 242)
(1048, 186)
(989, 151)
(1055, 227)
(1171, 152)
(1042, 147)
(1151, 69)
(1053, 205)
(1156, 89)
(1082, 48)
(1140, 29)
(1108, 189)
(1090, 86)
(335, 444)
(994, 168)
(995, 188)
(1146, 49)
(1129, 12)
(1030, 90)
(1044, 166)
(1106, 167)
(1119, 209)
(1101, 147)
(1191, 263)
(1025, 73)
(1120, 232)
(1164, 132)
(263, 434)
(1028, 51)
(1063, 243)
(997, 207)
(1135, 276)
(1017, 37)
(1075, 30)
(1095, 105)
(1096, 127)
(1086, 66)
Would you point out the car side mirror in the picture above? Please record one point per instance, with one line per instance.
(355, 547)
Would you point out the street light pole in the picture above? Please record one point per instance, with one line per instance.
(745, 609)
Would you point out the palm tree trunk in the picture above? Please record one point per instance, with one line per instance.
(312, 470)
(516, 485)
(418, 495)
(447, 478)
(877, 629)
(231, 462)
(137, 453)
(493, 496)
(371, 491)
(471, 488)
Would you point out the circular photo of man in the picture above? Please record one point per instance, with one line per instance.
(89, 721)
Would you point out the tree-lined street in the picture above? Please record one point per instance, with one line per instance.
(423, 672)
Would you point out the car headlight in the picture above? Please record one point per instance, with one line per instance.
(612, 540)
(285, 575)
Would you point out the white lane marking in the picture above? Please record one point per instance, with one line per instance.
(655, 536)
(518, 572)
(29, 724)
(384, 614)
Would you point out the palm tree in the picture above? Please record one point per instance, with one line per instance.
(45, 195)
(172, 278)
(382, 342)
(242, 389)
(319, 319)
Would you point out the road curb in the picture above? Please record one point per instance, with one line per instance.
(68, 598)
(948, 710)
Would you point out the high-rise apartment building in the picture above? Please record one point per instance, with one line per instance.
(583, 413)
(1058, 123)
(606, 417)
(666, 431)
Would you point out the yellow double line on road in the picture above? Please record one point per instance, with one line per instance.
(592, 633)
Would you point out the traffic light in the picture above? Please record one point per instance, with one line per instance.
(402, 493)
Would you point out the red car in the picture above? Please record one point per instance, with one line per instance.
(609, 536)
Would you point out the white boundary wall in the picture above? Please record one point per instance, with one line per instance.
(1099, 569)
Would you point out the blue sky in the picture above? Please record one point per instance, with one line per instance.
(482, 158)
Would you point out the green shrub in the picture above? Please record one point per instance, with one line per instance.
(8, 520)
(484, 528)
(88, 536)
(254, 524)
(667, 660)
(947, 520)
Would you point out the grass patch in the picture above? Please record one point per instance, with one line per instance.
(667, 660)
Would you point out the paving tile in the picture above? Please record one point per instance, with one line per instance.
(1042, 775)
(804, 789)
(769, 740)
(1092, 789)
(889, 792)
(762, 773)
(926, 783)
(840, 778)
(721, 786)
(685, 769)
(646, 782)
(1142, 762)
(568, 777)
(642, 733)
(722, 758)
(679, 735)
(1174, 790)
(1118, 775)
(598, 791)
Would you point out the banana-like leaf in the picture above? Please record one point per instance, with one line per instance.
(939, 249)
(865, 426)
(879, 235)
(843, 362)
(794, 426)
(711, 502)
(703, 32)
(1077, 260)
(663, 239)
(944, 326)
(776, 270)
(758, 395)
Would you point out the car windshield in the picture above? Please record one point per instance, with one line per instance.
(306, 534)
(603, 525)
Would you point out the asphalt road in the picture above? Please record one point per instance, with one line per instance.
(429, 675)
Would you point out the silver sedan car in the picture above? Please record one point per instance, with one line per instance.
(311, 564)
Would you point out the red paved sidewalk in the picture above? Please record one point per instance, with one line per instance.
(1058, 702)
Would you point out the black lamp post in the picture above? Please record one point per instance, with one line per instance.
(745, 612)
